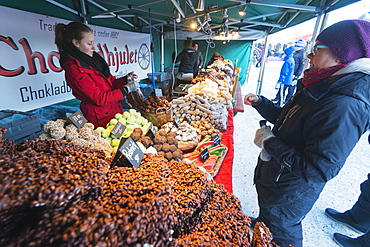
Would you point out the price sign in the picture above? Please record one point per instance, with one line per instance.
(118, 129)
(158, 92)
(216, 139)
(177, 122)
(128, 154)
(152, 131)
(77, 119)
(188, 118)
(204, 155)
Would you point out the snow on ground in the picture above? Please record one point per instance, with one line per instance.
(340, 193)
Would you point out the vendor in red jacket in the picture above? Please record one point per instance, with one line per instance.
(88, 75)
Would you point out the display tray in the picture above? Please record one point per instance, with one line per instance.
(19, 124)
(213, 164)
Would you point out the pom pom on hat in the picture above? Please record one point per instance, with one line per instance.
(349, 40)
(300, 43)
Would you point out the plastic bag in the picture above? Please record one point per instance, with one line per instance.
(135, 99)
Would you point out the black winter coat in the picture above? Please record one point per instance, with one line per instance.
(189, 61)
(298, 62)
(315, 133)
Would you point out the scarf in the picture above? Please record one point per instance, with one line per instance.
(310, 77)
(96, 61)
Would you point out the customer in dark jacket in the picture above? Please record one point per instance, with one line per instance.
(88, 74)
(298, 57)
(200, 57)
(358, 218)
(286, 75)
(315, 131)
(188, 59)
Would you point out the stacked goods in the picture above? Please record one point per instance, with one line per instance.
(163, 143)
(54, 193)
(201, 110)
(212, 87)
(154, 103)
(86, 136)
(216, 154)
(262, 236)
(157, 109)
(131, 119)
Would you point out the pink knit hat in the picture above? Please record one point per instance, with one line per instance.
(349, 39)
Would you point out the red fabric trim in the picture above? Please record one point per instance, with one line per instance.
(225, 174)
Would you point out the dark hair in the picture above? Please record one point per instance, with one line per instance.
(195, 43)
(64, 34)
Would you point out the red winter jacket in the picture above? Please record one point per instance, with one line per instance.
(100, 96)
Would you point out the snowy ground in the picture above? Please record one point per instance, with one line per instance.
(340, 193)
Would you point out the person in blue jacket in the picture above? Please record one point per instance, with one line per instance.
(286, 75)
(314, 133)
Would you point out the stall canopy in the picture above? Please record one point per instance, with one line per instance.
(216, 17)
(169, 21)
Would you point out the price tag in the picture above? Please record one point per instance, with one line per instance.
(216, 139)
(77, 119)
(158, 92)
(177, 122)
(188, 118)
(118, 129)
(152, 131)
(128, 154)
(204, 155)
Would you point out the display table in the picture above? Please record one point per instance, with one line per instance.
(225, 174)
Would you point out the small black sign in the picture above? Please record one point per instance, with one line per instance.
(177, 122)
(118, 129)
(77, 119)
(152, 131)
(204, 154)
(129, 150)
(158, 92)
(188, 118)
(216, 139)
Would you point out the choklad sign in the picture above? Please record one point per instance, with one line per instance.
(30, 73)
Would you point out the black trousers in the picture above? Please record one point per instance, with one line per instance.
(283, 212)
(360, 212)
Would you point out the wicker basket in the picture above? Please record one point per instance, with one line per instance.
(160, 117)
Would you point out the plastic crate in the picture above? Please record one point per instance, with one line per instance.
(159, 76)
(19, 124)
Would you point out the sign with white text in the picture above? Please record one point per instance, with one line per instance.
(30, 73)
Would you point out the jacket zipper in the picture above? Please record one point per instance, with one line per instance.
(279, 174)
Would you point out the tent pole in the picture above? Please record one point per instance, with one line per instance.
(162, 49)
(263, 64)
(83, 11)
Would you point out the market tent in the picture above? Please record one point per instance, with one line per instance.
(217, 21)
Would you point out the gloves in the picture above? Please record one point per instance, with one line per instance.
(130, 87)
(264, 155)
(277, 85)
(262, 134)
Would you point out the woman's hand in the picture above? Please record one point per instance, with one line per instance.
(131, 76)
(250, 98)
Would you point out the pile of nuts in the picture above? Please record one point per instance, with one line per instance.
(54, 193)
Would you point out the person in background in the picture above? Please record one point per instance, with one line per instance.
(298, 57)
(200, 57)
(188, 59)
(358, 218)
(216, 56)
(88, 75)
(315, 131)
(286, 75)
